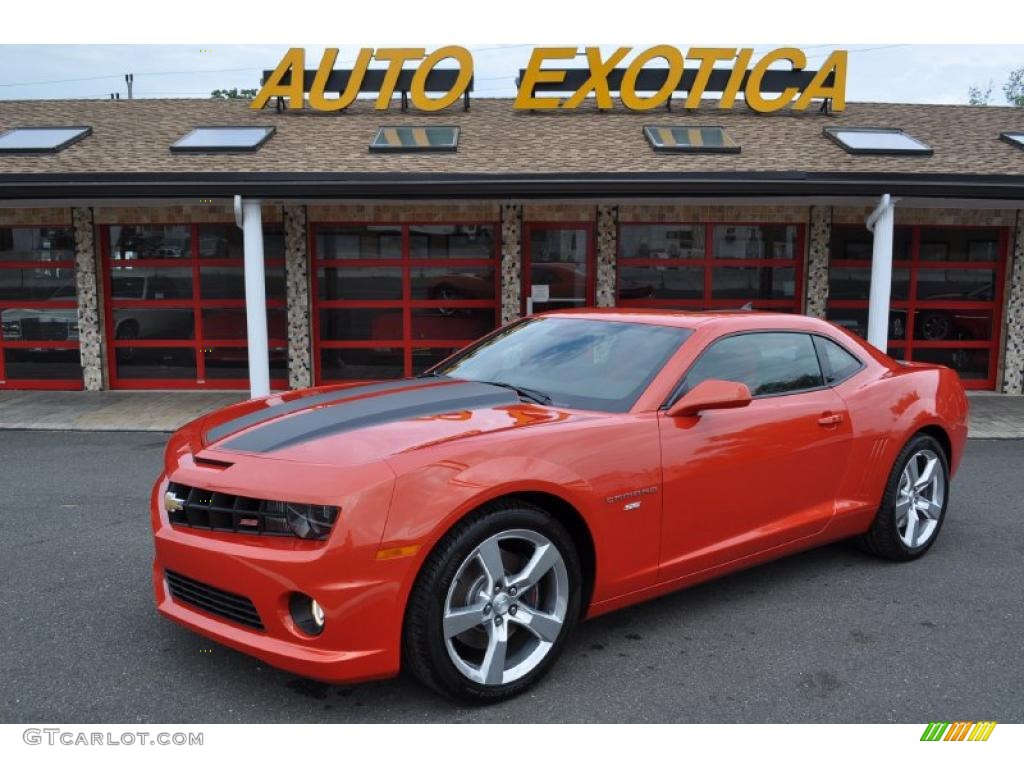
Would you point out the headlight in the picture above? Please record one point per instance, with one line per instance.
(12, 329)
(72, 330)
(307, 521)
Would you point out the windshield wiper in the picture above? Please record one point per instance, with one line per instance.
(530, 394)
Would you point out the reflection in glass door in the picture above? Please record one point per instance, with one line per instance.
(558, 267)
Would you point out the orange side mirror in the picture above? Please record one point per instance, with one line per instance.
(711, 395)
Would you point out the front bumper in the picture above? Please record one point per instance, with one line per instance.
(363, 598)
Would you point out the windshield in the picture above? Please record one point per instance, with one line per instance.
(599, 365)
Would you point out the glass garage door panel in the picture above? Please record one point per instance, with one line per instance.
(753, 283)
(233, 362)
(559, 268)
(42, 365)
(356, 364)
(361, 324)
(156, 362)
(360, 283)
(149, 242)
(662, 241)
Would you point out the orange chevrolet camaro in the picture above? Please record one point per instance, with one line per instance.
(459, 524)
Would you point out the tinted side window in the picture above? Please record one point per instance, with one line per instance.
(768, 363)
(839, 364)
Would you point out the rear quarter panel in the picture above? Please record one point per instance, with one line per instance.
(886, 410)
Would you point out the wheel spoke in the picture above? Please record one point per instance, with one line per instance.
(461, 619)
(932, 510)
(912, 471)
(909, 538)
(902, 506)
(490, 558)
(544, 625)
(929, 472)
(492, 668)
(543, 560)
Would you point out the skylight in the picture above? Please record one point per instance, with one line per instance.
(223, 138)
(411, 138)
(679, 138)
(877, 141)
(41, 138)
(1013, 137)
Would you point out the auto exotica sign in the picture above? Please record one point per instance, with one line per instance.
(651, 80)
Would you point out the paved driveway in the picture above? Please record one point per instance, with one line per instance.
(827, 636)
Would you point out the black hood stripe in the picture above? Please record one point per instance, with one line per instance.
(370, 411)
(301, 403)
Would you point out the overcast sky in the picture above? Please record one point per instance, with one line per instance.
(937, 74)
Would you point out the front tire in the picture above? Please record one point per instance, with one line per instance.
(914, 503)
(493, 604)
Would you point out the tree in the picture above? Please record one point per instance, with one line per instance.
(978, 97)
(234, 93)
(1014, 88)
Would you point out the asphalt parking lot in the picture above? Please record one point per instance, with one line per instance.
(831, 635)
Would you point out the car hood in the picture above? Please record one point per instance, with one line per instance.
(361, 423)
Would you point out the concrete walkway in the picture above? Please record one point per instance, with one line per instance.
(998, 416)
(151, 411)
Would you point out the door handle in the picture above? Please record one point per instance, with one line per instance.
(830, 419)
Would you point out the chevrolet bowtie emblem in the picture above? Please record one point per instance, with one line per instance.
(172, 503)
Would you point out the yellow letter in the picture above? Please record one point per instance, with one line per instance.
(318, 101)
(534, 75)
(397, 57)
(627, 91)
(419, 95)
(707, 58)
(739, 69)
(295, 62)
(835, 62)
(598, 80)
(753, 92)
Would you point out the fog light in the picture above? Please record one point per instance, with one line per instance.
(307, 613)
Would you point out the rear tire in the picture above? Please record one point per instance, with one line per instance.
(493, 604)
(914, 502)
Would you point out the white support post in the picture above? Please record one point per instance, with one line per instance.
(880, 222)
(249, 217)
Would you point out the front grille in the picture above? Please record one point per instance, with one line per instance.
(217, 511)
(209, 599)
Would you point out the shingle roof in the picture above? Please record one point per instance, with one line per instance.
(135, 136)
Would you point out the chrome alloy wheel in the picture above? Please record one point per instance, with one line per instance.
(506, 607)
(920, 498)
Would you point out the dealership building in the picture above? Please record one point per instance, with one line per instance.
(391, 238)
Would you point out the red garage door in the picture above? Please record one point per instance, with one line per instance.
(947, 293)
(175, 306)
(391, 300)
(38, 309)
(708, 266)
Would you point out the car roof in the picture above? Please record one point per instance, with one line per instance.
(725, 320)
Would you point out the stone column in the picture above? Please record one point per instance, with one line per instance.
(607, 255)
(90, 336)
(1013, 356)
(296, 263)
(817, 261)
(511, 261)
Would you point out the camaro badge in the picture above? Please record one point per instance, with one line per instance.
(631, 495)
(172, 503)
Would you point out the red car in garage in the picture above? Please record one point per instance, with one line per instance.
(459, 524)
